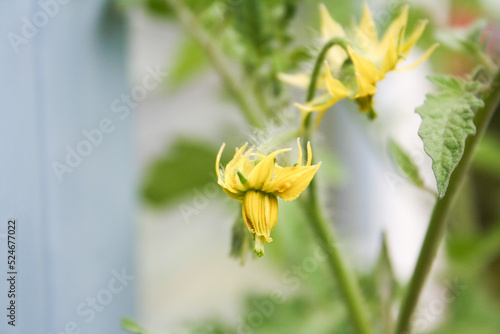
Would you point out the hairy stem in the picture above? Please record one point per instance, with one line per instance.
(278, 140)
(442, 208)
(253, 115)
(347, 282)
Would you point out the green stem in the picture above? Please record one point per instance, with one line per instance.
(346, 280)
(262, 100)
(311, 90)
(191, 24)
(437, 224)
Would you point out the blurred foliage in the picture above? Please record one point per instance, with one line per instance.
(487, 158)
(132, 327)
(260, 39)
(254, 35)
(471, 251)
(188, 164)
(405, 163)
(190, 61)
(466, 40)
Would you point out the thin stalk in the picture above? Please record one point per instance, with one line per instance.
(442, 208)
(311, 90)
(253, 115)
(261, 99)
(347, 282)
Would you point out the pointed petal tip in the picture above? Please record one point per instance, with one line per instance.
(217, 160)
(423, 58)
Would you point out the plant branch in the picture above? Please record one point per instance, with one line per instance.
(442, 208)
(346, 280)
(253, 115)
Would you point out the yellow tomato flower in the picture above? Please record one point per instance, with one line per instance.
(370, 59)
(256, 181)
(373, 58)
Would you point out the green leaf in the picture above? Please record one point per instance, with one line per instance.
(464, 40)
(248, 22)
(158, 7)
(183, 170)
(189, 60)
(133, 327)
(406, 163)
(447, 120)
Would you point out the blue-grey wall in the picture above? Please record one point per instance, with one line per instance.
(66, 169)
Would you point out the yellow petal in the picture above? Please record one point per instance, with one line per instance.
(290, 182)
(336, 56)
(367, 74)
(424, 57)
(391, 57)
(414, 37)
(367, 32)
(298, 80)
(236, 195)
(217, 161)
(260, 213)
(230, 181)
(263, 172)
(365, 88)
(299, 161)
(309, 154)
(235, 162)
(320, 104)
(329, 27)
(364, 67)
(334, 86)
(247, 221)
(396, 28)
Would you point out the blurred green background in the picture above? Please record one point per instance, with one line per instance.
(189, 284)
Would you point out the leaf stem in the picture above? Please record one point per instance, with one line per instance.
(253, 115)
(437, 224)
(311, 90)
(347, 281)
